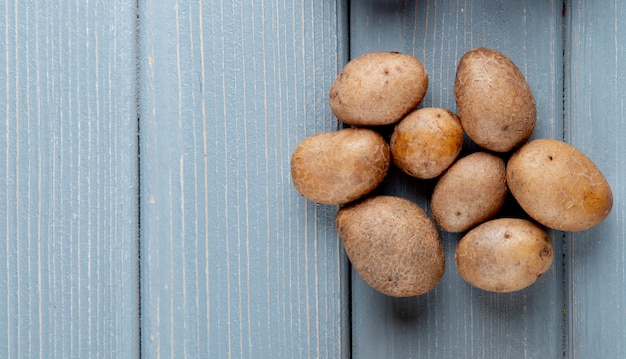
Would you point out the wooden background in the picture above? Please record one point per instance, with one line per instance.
(146, 208)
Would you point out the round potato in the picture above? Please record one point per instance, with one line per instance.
(470, 192)
(426, 142)
(504, 255)
(340, 167)
(378, 88)
(392, 244)
(558, 185)
(495, 103)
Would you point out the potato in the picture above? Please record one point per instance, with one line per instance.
(495, 103)
(340, 167)
(426, 142)
(504, 255)
(470, 192)
(378, 88)
(392, 244)
(558, 185)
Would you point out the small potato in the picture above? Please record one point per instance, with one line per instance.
(558, 185)
(495, 103)
(470, 192)
(392, 244)
(378, 89)
(426, 142)
(504, 255)
(340, 167)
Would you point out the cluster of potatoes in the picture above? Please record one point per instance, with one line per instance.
(392, 242)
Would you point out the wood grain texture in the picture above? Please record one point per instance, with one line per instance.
(68, 180)
(234, 262)
(456, 320)
(595, 125)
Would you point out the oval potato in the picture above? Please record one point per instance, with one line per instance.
(340, 167)
(558, 185)
(495, 103)
(470, 192)
(426, 142)
(378, 88)
(392, 244)
(504, 255)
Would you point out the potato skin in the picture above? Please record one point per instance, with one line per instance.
(558, 185)
(504, 255)
(392, 244)
(340, 167)
(496, 106)
(378, 88)
(471, 191)
(426, 142)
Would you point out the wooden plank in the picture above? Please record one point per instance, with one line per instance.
(596, 124)
(234, 263)
(68, 180)
(456, 320)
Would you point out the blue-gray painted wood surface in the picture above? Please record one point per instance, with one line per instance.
(68, 180)
(457, 320)
(234, 262)
(596, 124)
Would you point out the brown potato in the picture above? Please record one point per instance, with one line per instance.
(426, 142)
(340, 167)
(495, 103)
(378, 88)
(392, 244)
(470, 192)
(559, 186)
(504, 255)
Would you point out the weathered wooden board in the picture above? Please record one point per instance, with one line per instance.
(456, 320)
(596, 124)
(234, 262)
(68, 180)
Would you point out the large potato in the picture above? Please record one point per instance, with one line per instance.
(340, 167)
(495, 103)
(504, 255)
(470, 192)
(378, 88)
(558, 185)
(426, 142)
(392, 244)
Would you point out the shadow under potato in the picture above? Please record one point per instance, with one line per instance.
(409, 309)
